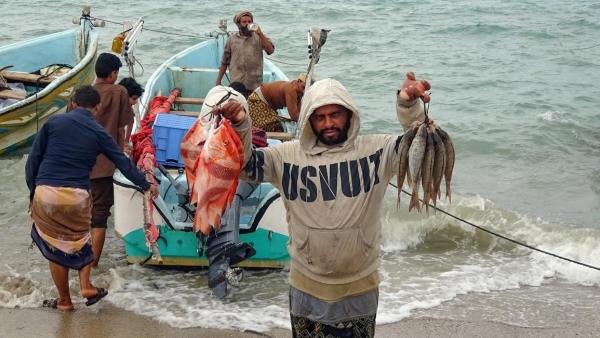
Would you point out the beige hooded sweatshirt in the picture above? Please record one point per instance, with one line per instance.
(333, 194)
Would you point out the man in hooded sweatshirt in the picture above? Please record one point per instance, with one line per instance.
(243, 53)
(332, 182)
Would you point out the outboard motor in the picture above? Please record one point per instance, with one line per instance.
(224, 249)
(221, 247)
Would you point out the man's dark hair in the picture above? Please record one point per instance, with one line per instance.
(240, 88)
(133, 88)
(107, 63)
(86, 97)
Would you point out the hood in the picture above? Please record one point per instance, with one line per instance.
(321, 93)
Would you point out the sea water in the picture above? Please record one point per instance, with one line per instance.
(514, 83)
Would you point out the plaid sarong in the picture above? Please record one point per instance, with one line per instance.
(364, 327)
(60, 220)
(262, 115)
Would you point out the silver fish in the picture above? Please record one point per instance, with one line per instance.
(427, 169)
(449, 160)
(438, 166)
(416, 154)
(405, 143)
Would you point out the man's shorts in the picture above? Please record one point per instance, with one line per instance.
(102, 200)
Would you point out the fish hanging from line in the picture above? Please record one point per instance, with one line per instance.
(426, 156)
(426, 152)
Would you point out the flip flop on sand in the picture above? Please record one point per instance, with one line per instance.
(51, 303)
(93, 300)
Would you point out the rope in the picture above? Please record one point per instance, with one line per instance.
(159, 31)
(503, 237)
(208, 38)
(37, 90)
(179, 34)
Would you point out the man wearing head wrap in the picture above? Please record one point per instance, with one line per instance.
(332, 182)
(266, 99)
(243, 53)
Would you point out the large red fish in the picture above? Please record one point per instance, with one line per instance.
(213, 156)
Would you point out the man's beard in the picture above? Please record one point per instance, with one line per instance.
(341, 138)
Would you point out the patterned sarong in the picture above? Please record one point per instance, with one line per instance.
(60, 219)
(358, 328)
(263, 116)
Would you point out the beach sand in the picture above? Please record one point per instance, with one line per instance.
(106, 320)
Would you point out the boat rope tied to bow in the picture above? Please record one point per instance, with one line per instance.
(144, 156)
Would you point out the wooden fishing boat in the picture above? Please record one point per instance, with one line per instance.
(38, 77)
(259, 239)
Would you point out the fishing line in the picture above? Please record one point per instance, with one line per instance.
(139, 63)
(594, 46)
(501, 236)
(302, 64)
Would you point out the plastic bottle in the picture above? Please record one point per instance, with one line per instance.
(117, 44)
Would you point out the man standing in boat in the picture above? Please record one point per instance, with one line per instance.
(243, 53)
(332, 181)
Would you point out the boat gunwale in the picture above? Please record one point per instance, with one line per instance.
(89, 57)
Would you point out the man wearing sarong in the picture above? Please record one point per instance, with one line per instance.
(332, 182)
(58, 177)
(116, 116)
(266, 99)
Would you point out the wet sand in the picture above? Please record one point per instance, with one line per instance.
(106, 320)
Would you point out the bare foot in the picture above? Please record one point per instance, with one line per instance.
(93, 297)
(89, 292)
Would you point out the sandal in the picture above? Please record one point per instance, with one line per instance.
(93, 300)
(51, 303)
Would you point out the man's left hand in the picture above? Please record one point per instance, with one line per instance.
(153, 191)
(127, 150)
(412, 88)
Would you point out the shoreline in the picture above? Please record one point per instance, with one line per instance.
(106, 320)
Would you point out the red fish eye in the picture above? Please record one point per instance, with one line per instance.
(225, 143)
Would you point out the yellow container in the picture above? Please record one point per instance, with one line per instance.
(117, 44)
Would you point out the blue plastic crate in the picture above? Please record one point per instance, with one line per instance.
(167, 133)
